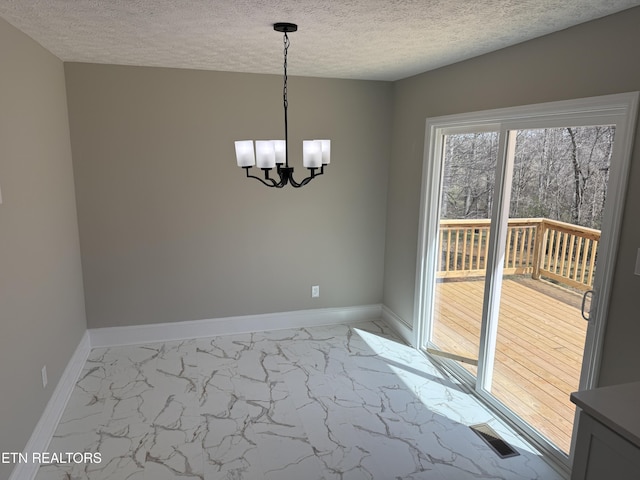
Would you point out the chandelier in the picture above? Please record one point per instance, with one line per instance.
(270, 154)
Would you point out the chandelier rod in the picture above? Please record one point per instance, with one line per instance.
(286, 101)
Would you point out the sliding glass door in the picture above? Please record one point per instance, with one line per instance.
(514, 203)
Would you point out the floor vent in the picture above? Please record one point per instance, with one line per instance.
(497, 444)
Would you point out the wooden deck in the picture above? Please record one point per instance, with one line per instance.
(540, 345)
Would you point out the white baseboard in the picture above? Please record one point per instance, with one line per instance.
(162, 332)
(46, 426)
(398, 324)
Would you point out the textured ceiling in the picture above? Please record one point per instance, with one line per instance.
(360, 39)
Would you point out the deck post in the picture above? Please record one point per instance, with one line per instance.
(538, 249)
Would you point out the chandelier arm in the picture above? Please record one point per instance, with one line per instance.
(294, 184)
(306, 180)
(272, 183)
(302, 183)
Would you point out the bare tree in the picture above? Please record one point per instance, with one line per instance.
(559, 173)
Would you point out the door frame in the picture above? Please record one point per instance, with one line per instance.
(618, 109)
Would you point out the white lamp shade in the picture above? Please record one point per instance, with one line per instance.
(244, 153)
(265, 154)
(312, 153)
(326, 151)
(280, 147)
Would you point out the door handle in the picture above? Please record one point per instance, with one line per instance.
(584, 302)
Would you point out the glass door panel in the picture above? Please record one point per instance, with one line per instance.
(466, 202)
(558, 188)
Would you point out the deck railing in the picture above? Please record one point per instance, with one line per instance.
(559, 251)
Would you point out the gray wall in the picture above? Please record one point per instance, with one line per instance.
(595, 58)
(170, 228)
(41, 299)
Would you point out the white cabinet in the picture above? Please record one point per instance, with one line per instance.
(608, 439)
(603, 454)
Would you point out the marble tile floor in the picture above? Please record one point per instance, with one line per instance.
(333, 403)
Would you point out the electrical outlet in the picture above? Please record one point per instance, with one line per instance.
(315, 291)
(44, 377)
